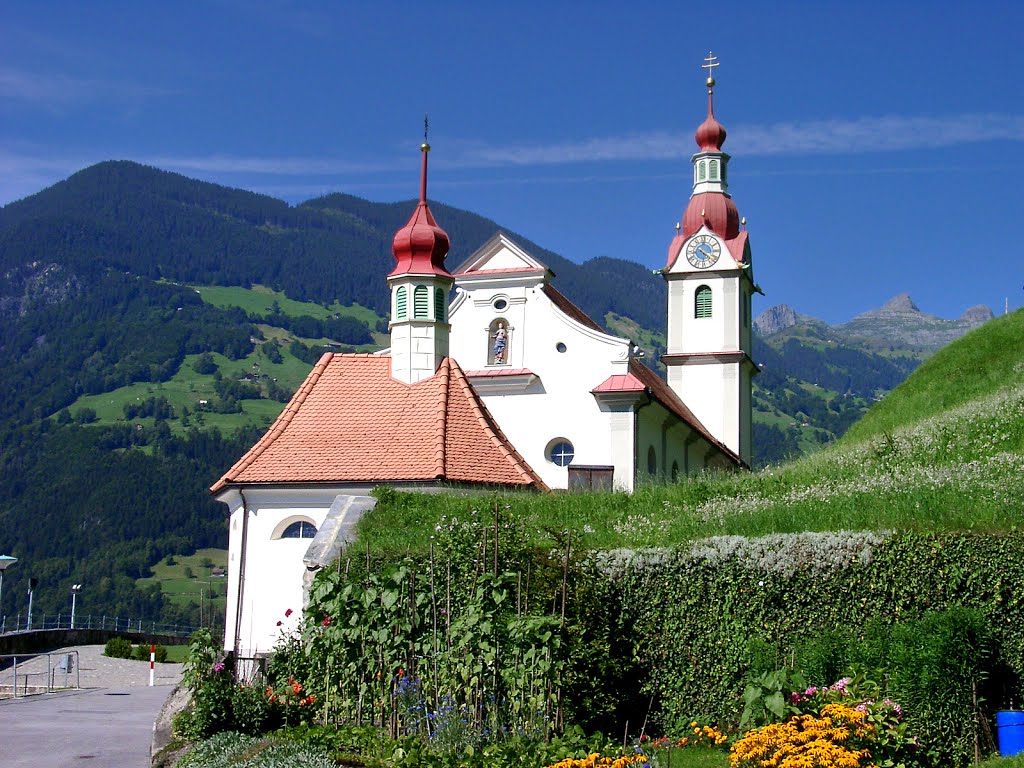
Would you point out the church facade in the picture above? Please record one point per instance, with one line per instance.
(494, 380)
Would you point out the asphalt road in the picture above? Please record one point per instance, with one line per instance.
(106, 724)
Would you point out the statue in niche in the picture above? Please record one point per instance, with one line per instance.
(500, 344)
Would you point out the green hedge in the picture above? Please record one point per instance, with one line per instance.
(707, 618)
(658, 638)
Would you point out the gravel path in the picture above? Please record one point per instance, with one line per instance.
(95, 670)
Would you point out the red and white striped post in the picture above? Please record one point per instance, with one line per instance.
(152, 665)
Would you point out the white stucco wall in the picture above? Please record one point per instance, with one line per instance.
(274, 571)
(559, 404)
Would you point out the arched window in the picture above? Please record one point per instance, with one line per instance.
(498, 339)
(419, 302)
(439, 305)
(299, 530)
(400, 300)
(702, 302)
(713, 170)
(652, 461)
(701, 170)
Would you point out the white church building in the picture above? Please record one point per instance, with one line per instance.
(494, 380)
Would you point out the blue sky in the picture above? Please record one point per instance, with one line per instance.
(877, 147)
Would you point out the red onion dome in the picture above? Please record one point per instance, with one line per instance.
(421, 245)
(710, 135)
(715, 210)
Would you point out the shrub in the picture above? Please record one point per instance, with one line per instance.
(141, 652)
(118, 648)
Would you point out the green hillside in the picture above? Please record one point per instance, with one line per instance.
(981, 364)
(944, 451)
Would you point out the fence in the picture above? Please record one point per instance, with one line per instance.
(111, 623)
(59, 673)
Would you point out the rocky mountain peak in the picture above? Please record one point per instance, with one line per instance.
(977, 315)
(775, 319)
(900, 303)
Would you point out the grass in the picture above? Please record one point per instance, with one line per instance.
(986, 359)
(913, 466)
(258, 300)
(183, 589)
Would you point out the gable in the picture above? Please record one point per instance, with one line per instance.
(500, 254)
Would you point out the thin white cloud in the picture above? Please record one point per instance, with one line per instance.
(858, 136)
(59, 91)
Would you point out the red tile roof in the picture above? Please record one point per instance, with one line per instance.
(641, 378)
(351, 422)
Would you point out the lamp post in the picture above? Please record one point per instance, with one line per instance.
(75, 589)
(5, 560)
(31, 587)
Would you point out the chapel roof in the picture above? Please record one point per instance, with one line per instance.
(640, 378)
(350, 421)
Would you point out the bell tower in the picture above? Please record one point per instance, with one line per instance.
(710, 284)
(420, 284)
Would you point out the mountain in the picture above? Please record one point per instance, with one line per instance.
(900, 322)
(152, 325)
(817, 380)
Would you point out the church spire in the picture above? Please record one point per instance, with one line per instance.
(420, 284)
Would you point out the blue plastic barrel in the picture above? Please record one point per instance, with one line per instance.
(1010, 726)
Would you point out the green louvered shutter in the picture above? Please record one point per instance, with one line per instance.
(702, 305)
(400, 303)
(419, 302)
(439, 305)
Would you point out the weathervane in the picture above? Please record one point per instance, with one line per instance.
(712, 62)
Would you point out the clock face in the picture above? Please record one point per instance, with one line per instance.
(703, 251)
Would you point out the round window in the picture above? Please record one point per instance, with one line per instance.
(561, 347)
(499, 304)
(561, 453)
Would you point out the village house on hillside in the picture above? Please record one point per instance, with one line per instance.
(507, 384)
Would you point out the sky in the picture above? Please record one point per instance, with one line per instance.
(877, 148)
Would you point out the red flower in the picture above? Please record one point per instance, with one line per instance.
(326, 622)
(279, 623)
(288, 613)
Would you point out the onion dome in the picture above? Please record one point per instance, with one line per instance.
(714, 210)
(421, 245)
(710, 134)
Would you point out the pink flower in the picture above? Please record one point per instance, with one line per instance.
(288, 613)
(279, 623)
(326, 622)
(796, 697)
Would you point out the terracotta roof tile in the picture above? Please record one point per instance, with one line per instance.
(351, 422)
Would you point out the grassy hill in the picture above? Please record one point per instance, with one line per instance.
(945, 451)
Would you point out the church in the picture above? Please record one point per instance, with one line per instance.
(495, 380)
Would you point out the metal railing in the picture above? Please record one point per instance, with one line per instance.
(20, 623)
(44, 680)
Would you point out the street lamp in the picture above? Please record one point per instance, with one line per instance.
(5, 560)
(75, 589)
(31, 587)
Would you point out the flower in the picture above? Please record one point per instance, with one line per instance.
(326, 622)
(279, 622)
(288, 613)
(218, 667)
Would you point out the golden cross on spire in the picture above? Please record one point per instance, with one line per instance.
(712, 62)
(426, 128)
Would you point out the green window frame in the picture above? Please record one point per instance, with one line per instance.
(701, 171)
(713, 170)
(400, 303)
(420, 298)
(702, 302)
(439, 305)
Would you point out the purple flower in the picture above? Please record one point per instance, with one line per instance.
(840, 685)
(810, 691)
(218, 667)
